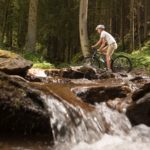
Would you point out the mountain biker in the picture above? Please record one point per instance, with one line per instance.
(107, 44)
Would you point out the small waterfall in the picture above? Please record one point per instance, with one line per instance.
(116, 123)
(120, 134)
(73, 124)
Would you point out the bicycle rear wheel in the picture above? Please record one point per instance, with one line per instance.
(121, 64)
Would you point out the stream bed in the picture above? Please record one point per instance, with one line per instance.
(82, 112)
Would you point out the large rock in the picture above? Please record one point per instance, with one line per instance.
(101, 93)
(140, 111)
(12, 63)
(141, 92)
(22, 110)
(80, 72)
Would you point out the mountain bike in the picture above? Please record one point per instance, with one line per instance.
(120, 63)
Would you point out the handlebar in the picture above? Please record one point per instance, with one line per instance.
(93, 49)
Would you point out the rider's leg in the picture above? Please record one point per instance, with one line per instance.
(108, 62)
(103, 50)
(109, 53)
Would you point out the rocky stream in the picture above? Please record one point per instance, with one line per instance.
(74, 108)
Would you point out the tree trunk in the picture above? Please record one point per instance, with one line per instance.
(139, 24)
(22, 23)
(9, 35)
(132, 23)
(122, 24)
(9, 26)
(145, 17)
(83, 27)
(110, 17)
(32, 24)
(5, 18)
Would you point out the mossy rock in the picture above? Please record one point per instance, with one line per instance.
(12, 63)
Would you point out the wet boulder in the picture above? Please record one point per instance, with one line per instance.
(141, 92)
(22, 110)
(79, 72)
(102, 92)
(13, 64)
(140, 111)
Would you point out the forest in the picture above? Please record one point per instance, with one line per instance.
(59, 93)
(51, 28)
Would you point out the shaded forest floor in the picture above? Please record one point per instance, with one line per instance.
(140, 59)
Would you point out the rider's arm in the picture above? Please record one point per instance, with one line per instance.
(103, 43)
(98, 43)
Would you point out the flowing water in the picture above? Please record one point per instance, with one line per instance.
(76, 129)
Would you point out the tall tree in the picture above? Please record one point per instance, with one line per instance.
(122, 22)
(4, 23)
(32, 25)
(132, 24)
(22, 22)
(145, 17)
(139, 5)
(58, 25)
(84, 41)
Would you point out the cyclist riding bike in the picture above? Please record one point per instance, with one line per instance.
(107, 44)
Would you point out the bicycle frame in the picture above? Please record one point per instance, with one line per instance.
(98, 58)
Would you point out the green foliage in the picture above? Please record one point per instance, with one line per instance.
(38, 60)
(34, 57)
(63, 65)
(43, 65)
(141, 58)
(77, 58)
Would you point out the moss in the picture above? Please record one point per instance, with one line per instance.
(63, 65)
(7, 54)
(43, 65)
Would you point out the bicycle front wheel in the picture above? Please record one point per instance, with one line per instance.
(95, 63)
(121, 64)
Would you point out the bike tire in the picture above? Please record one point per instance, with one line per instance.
(121, 64)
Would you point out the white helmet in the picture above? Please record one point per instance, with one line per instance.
(100, 26)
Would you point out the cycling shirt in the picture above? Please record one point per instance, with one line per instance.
(108, 37)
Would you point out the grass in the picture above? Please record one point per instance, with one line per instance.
(38, 60)
(43, 65)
